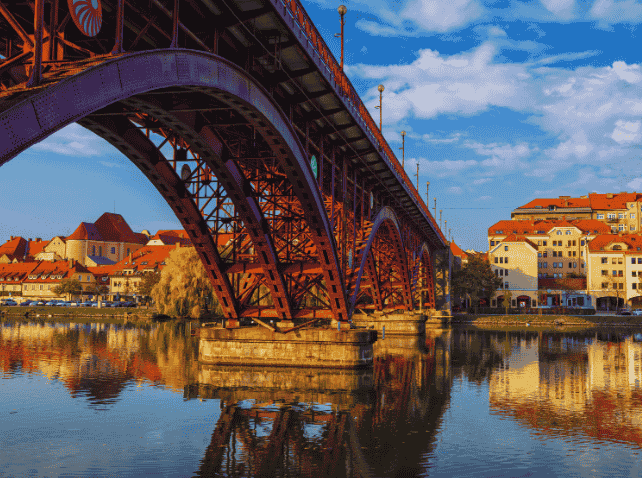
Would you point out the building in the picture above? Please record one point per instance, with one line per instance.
(45, 276)
(620, 211)
(107, 241)
(14, 250)
(169, 238)
(615, 269)
(12, 275)
(514, 259)
(126, 275)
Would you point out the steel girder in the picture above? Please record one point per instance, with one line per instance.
(41, 112)
(392, 271)
(423, 278)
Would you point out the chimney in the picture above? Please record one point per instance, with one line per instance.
(609, 195)
(38, 239)
(11, 238)
(29, 239)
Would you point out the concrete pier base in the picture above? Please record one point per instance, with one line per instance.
(404, 323)
(343, 388)
(316, 347)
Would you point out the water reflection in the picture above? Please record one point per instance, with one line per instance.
(419, 410)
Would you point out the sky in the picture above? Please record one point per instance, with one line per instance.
(503, 102)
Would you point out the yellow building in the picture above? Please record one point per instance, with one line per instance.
(43, 279)
(514, 259)
(107, 241)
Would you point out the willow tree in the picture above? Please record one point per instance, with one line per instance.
(184, 290)
(476, 279)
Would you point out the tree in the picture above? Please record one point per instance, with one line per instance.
(476, 279)
(184, 288)
(507, 297)
(97, 289)
(147, 283)
(68, 286)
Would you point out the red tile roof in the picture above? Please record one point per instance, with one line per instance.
(36, 247)
(19, 270)
(532, 227)
(602, 241)
(108, 228)
(169, 237)
(14, 248)
(617, 201)
(51, 270)
(148, 257)
(519, 238)
(558, 202)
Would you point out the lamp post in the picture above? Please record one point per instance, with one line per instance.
(403, 149)
(342, 11)
(417, 177)
(380, 88)
(427, 195)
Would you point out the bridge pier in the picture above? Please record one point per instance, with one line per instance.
(314, 347)
(443, 261)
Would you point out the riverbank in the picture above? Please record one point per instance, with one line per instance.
(586, 321)
(82, 315)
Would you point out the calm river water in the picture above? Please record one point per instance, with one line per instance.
(110, 401)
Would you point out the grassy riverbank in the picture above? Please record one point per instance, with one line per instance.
(586, 321)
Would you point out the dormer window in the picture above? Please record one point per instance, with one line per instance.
(551, 208)
(496, 232)
(144, 263)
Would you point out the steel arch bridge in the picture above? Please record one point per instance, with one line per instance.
(242, 119)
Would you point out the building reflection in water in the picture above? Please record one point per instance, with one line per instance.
(562, 384)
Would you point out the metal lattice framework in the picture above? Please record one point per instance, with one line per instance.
(224, 123)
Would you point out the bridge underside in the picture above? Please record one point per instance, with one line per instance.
(279, 237)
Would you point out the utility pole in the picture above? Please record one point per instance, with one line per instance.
(434, 213)
(417, 176)
(446, 227)
(403, 150)
(440, 218)
(380, 88)
(427, 195)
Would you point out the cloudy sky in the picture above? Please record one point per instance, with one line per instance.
(503, 101)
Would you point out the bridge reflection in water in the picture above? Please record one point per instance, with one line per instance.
(325, 422)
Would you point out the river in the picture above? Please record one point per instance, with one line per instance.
(103, 400)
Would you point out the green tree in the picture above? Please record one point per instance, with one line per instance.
(68, 286)
(184, 290)
(476, 279)
(97, 289)
(147, 283)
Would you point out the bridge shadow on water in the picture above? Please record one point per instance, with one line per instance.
(322, 422)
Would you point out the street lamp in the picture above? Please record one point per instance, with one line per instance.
(342, 11)
(403, 149)
(380, 88)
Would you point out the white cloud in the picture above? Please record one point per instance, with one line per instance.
(455, 190)
(482, 180)
(441, 16)
(626, 131)
(609, 11)
(73, 140)
(110, 164)
(484, 198)
(561, 8)
(443, 168)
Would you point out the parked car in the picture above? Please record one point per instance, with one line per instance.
(87, 303)
(51, 303)
(9, 302)
(637, 312)
(624, 311)
(26, 303)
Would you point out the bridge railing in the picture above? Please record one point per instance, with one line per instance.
(315, 40)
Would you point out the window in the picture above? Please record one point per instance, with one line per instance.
(100, 250)
(632, 260)
(505, 272)
(539, 243)
(539, 254)
(554, 253)
(610, 215)
(639, 260)
(619, 261)
(544, 243)
(499, 232)
(574, 253)
(559, 233)
(505, 260)
(614, 273)
(93, 250)
(492, 243)
(621, 227)
(501, 260)
(544, 265)
(605, 285)
(600, 216)
(620, 273)
(545, 254)
(581, 243)
(568, 233)
(620, 286)
(506, 286)
(605, 273)
(128, 250)
(497, 272)
(632, 228)
(614, 261)
(605, 260)
(505, 248)
(570, 265)
(501, 272)
(632, 215)
(574, 243)
(496, 260)
(570, 254)
(634, 286)
(614, 285)
(582, 265)
(634, 274)
(113, 250)
(620, 215)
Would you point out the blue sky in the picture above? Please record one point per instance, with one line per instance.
(503, 101)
